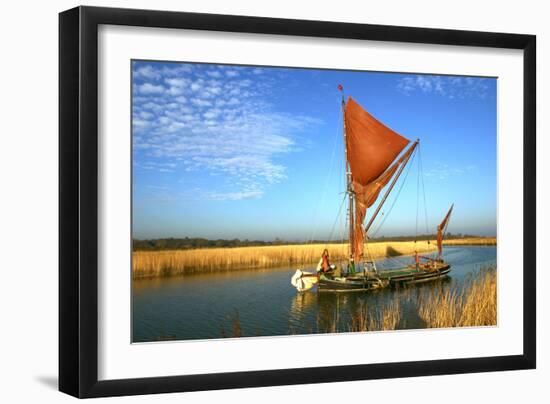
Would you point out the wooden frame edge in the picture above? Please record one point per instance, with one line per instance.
(78, 289)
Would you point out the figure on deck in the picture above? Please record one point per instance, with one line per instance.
(325, 264)
(351, 266)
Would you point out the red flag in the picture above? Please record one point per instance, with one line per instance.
(340, 87)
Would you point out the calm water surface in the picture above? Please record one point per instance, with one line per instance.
(263, 302)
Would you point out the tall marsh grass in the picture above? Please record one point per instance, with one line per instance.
(382, 318)
(146, 264)
(474, 304)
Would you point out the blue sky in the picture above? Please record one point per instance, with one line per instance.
(253, 152)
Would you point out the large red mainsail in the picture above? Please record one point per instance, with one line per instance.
(371, 149)
(371, 146)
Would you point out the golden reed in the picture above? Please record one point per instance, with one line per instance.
(146, 264)
(382, 318)
(474, 305)
(488, 241)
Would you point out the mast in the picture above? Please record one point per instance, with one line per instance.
(349, 189)
(395, 178)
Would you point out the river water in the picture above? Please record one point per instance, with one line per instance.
(263, 302)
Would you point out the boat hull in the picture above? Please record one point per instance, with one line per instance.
(348, 285)
(380, 280)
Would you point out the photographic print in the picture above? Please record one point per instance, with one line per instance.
(275, 201)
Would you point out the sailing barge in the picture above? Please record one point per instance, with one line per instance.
(375, 157)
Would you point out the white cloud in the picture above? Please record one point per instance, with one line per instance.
(222, 126)
(231, 73)
(212, 113)
(201, 103)
(443, 171)
(179, 82)
(197, 85)
(148, 88)
(447, 86)
(234, 196)
(140, 123)
(147, 72)
(214, 73)
(146, 115)
(176, 70)
(151, 106)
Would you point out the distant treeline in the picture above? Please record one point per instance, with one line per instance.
(189, 243)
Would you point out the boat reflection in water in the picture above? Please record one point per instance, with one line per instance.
(330, 312)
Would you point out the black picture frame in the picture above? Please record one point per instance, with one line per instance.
(78, 200)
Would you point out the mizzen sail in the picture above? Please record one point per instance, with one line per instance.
(441, 231)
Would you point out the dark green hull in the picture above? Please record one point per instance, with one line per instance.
(382, 279)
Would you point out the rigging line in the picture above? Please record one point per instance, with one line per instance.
(396, 197)
(417, 197)
(389, 261)
(369, 255)
(337, 217)
(423, 189)
(343, 232)
(321, 201)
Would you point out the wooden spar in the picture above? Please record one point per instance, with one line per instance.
(395, 178)
(351, 213)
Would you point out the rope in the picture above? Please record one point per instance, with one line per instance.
(321, 201)
(396, 197)
(417, 198)
(423, 189)
(337, 217)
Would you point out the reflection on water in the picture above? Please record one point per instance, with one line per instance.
(263, 303)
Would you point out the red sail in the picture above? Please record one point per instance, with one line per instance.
(371, 148)
(441, 230)
(365, 196)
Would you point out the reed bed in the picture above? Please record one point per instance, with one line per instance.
(384, 318)
(474, 304)
(471, 241)
(148, 264)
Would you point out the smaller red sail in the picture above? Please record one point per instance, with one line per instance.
(365, 196)
(441, 230)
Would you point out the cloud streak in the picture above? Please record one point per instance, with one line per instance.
(444, 171)
(445, 86)
(213, 120)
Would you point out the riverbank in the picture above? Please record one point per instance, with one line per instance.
(150, 264)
